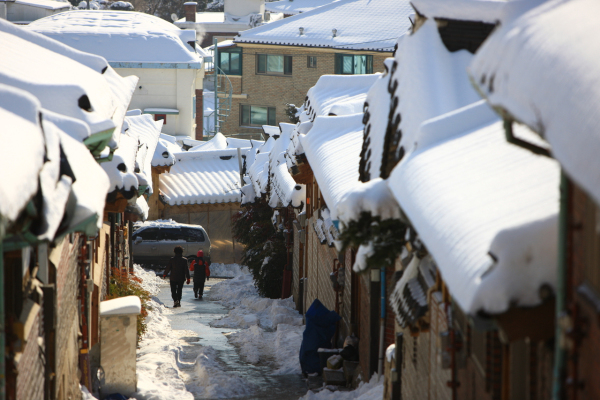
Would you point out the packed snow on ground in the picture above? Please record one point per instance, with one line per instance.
(366, 391)
(271, 329)
(160, 365)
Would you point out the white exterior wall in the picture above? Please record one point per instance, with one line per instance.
(167, 88)
(23, 12)
(241, 8)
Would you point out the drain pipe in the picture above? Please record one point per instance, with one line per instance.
(559, 350)
(382, 323)
(215, 68)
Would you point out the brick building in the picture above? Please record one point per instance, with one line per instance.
(274, 65)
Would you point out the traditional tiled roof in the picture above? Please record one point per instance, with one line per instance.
(202, 177)
(541, 69)
(73, 84)
(332, 148)
(485, 209)
(359, 25)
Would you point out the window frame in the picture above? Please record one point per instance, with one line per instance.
(287, 64)
(339, 63)
(271, 115)
(237, 50)
(308, 61)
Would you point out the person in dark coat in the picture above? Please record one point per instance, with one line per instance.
(201, 274)
(178, 267)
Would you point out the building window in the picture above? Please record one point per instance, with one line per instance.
(349, 64)
(257, 115)
(270, 64)
(230, 61)
(312, 62)
(158, 117)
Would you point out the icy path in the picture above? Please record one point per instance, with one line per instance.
(210, 366)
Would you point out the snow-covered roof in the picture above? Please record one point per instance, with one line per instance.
(202, 177)
(332, 148)
(360, 25)
(436, 82)
(485, 209)
(293, 7)
(148, 132)
(284, 190)
(121, 169)
(488, 11)
(20, 131)
(121, 306)
(542, 69)
(338, 94)
(377, 108)
(46, 4)
(65, 85)
(90, 187)
(124, 38)
(166, 148)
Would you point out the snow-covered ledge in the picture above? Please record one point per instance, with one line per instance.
(121, 306)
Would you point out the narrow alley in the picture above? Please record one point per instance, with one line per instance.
(243, 379)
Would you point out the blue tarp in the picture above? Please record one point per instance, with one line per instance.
(320, 328)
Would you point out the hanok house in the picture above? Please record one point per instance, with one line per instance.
(280, 61)
(513, 87)
(473, 288)
(164, 57)
(51, 245)
(203, 188)
(305, 170)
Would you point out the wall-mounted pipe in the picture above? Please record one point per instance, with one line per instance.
(559, 351)
(382, 323)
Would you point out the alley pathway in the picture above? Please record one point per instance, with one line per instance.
(195, 316)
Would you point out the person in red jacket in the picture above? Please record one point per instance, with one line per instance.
(201, 274)
(178, 267)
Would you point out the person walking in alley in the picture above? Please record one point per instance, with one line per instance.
(201, 274)
(178, 267)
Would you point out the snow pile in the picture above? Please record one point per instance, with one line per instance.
(274, 327)
(218, 270)
(366, 391)
(210, 381)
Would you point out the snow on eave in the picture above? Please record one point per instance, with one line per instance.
(332, 148)
(68, 75)
(460, 188)
(336, 90)
(20, 131)
(547, 78)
